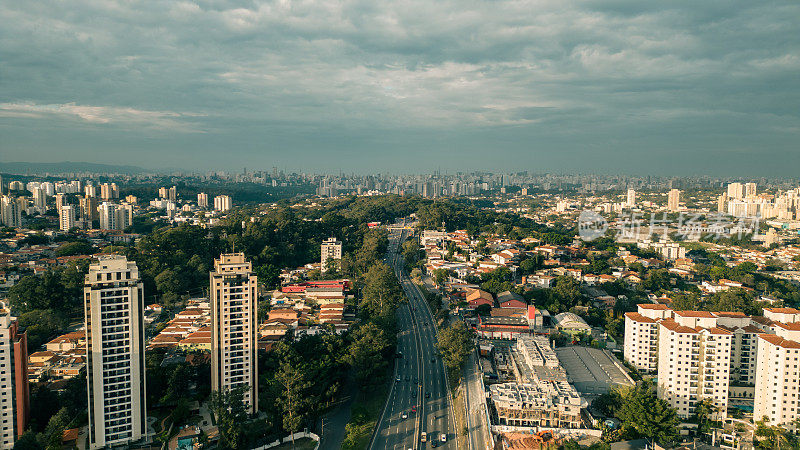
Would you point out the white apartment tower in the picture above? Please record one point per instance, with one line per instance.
(114, 216)
(641, 336)
(66, 218)
(202, 200)
(777, 393)
(694, 362)
(222, 203)
(234, 300)
(115, 364)
(330, 253)
(631, 200)
(14, 388)
(673, 200)
(10, 212)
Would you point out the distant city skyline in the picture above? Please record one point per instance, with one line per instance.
(406, 86)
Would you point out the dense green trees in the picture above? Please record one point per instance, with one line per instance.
(455, 344)
(369, 353)
(642, 413)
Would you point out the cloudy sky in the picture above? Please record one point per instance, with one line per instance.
(653, 87)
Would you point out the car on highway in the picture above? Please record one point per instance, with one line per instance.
(413, 394)
(398, 379)
(433, 360)
(427, 395)
(404, 415)
(413, 409)
(444, 437)
(424, 437)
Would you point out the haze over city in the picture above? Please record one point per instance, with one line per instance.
(605, 87)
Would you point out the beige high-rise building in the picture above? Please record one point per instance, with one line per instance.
(202, 200)
(777, 393)
(223, 203)
(631, 198)
(694, 361)
(11, 212)
(234, 304)
(674, 200)
(722, 202)
(109, 191)
(749, 189)
(89, 210)
(115, 363)
(66, 218)
(114, 216)
(735, 191)
(331, 253)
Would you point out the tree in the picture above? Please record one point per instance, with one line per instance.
(703, 411)
(28, 442)
(54, 432)
(75, 248)
(38, 292)
(381, 293)
(42, 325)
(644, 415)
(455, 344)
(294, 399)
(228, 407)
(368, 353)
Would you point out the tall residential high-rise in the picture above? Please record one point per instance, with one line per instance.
(90, 190)
(331, 253)
(735, 191)
(202, 200)
(674, 199)
(114, 216)
(641, 336)
(60, 200)
(40, 200)
(749, 189)
(234, 300)
(115, 364)
(10, 212)
(722, 202)
(2, 186)
(66, 218)
(89, 211)
(631, 200)
(222, 203)
(109, 191)
(694, 361)
(14, 390)
(777, 378)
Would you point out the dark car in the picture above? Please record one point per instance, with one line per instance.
(427, 395)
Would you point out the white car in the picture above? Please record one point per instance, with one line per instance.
(444, 437)
(404, 415)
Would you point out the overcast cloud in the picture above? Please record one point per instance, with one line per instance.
(672, 87)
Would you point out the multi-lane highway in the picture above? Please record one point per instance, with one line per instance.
(419, 400)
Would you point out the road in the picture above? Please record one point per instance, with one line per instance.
(421, 374)
(475, 402)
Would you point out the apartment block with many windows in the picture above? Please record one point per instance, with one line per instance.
(14, 390)
(234, 297)
(115, 370)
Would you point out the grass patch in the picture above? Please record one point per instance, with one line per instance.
(365, 412)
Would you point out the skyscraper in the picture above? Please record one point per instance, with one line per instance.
(115, 364)
(14, 390)
(234, 297)
(631, 200)
(673, 201)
